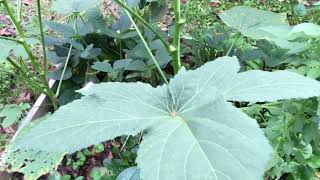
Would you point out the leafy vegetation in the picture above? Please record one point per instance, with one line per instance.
(146, 97)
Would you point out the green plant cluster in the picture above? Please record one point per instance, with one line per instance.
(182, 103)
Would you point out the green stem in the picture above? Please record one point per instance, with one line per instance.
(14, 64)
(35, 85)
(63, 72)
(19, 10)
(177, 36)
(147, 47)
(144, 22)
(45, 67)
(22, 39)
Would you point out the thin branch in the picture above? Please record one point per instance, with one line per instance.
(19, 10)
(45, 66)
(64, 71)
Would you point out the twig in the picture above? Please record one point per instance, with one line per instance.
(64, 71)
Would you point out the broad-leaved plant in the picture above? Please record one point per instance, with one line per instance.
(191, 128)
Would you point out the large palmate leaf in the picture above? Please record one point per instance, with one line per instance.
(191, 131)
(250, 22)
(209, 143)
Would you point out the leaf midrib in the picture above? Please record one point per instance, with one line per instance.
(196, 141)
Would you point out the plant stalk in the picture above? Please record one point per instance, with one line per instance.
(45, 64)
(22, 40)
(63, 72)
(177, 36)
(19, 10)
(147, 47)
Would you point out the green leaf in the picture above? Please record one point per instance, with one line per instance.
(33, 164)
(122, 24)
(190, 131)
(314, 73)
(132, 173)
(101, 173)
(136, 65)
(8, 46)
(121, 64)
(162, 55)
(90, 52)
(12, 114)
(56, 74)
(138, 52)
(314, 161)
(304, 30)
(95, 17)
(54, 58)
(198, 145)
(248, 20)
(65, 30)
(307, 29)
(102, 66)
(261, 86)
(128, 97)
(72, 6)
(130, 65)
(75, 44)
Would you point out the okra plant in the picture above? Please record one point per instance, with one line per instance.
(191, 128)
(21, 48)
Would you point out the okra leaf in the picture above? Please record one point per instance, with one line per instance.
(190, 130)
(261, 86)
(250, 22)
